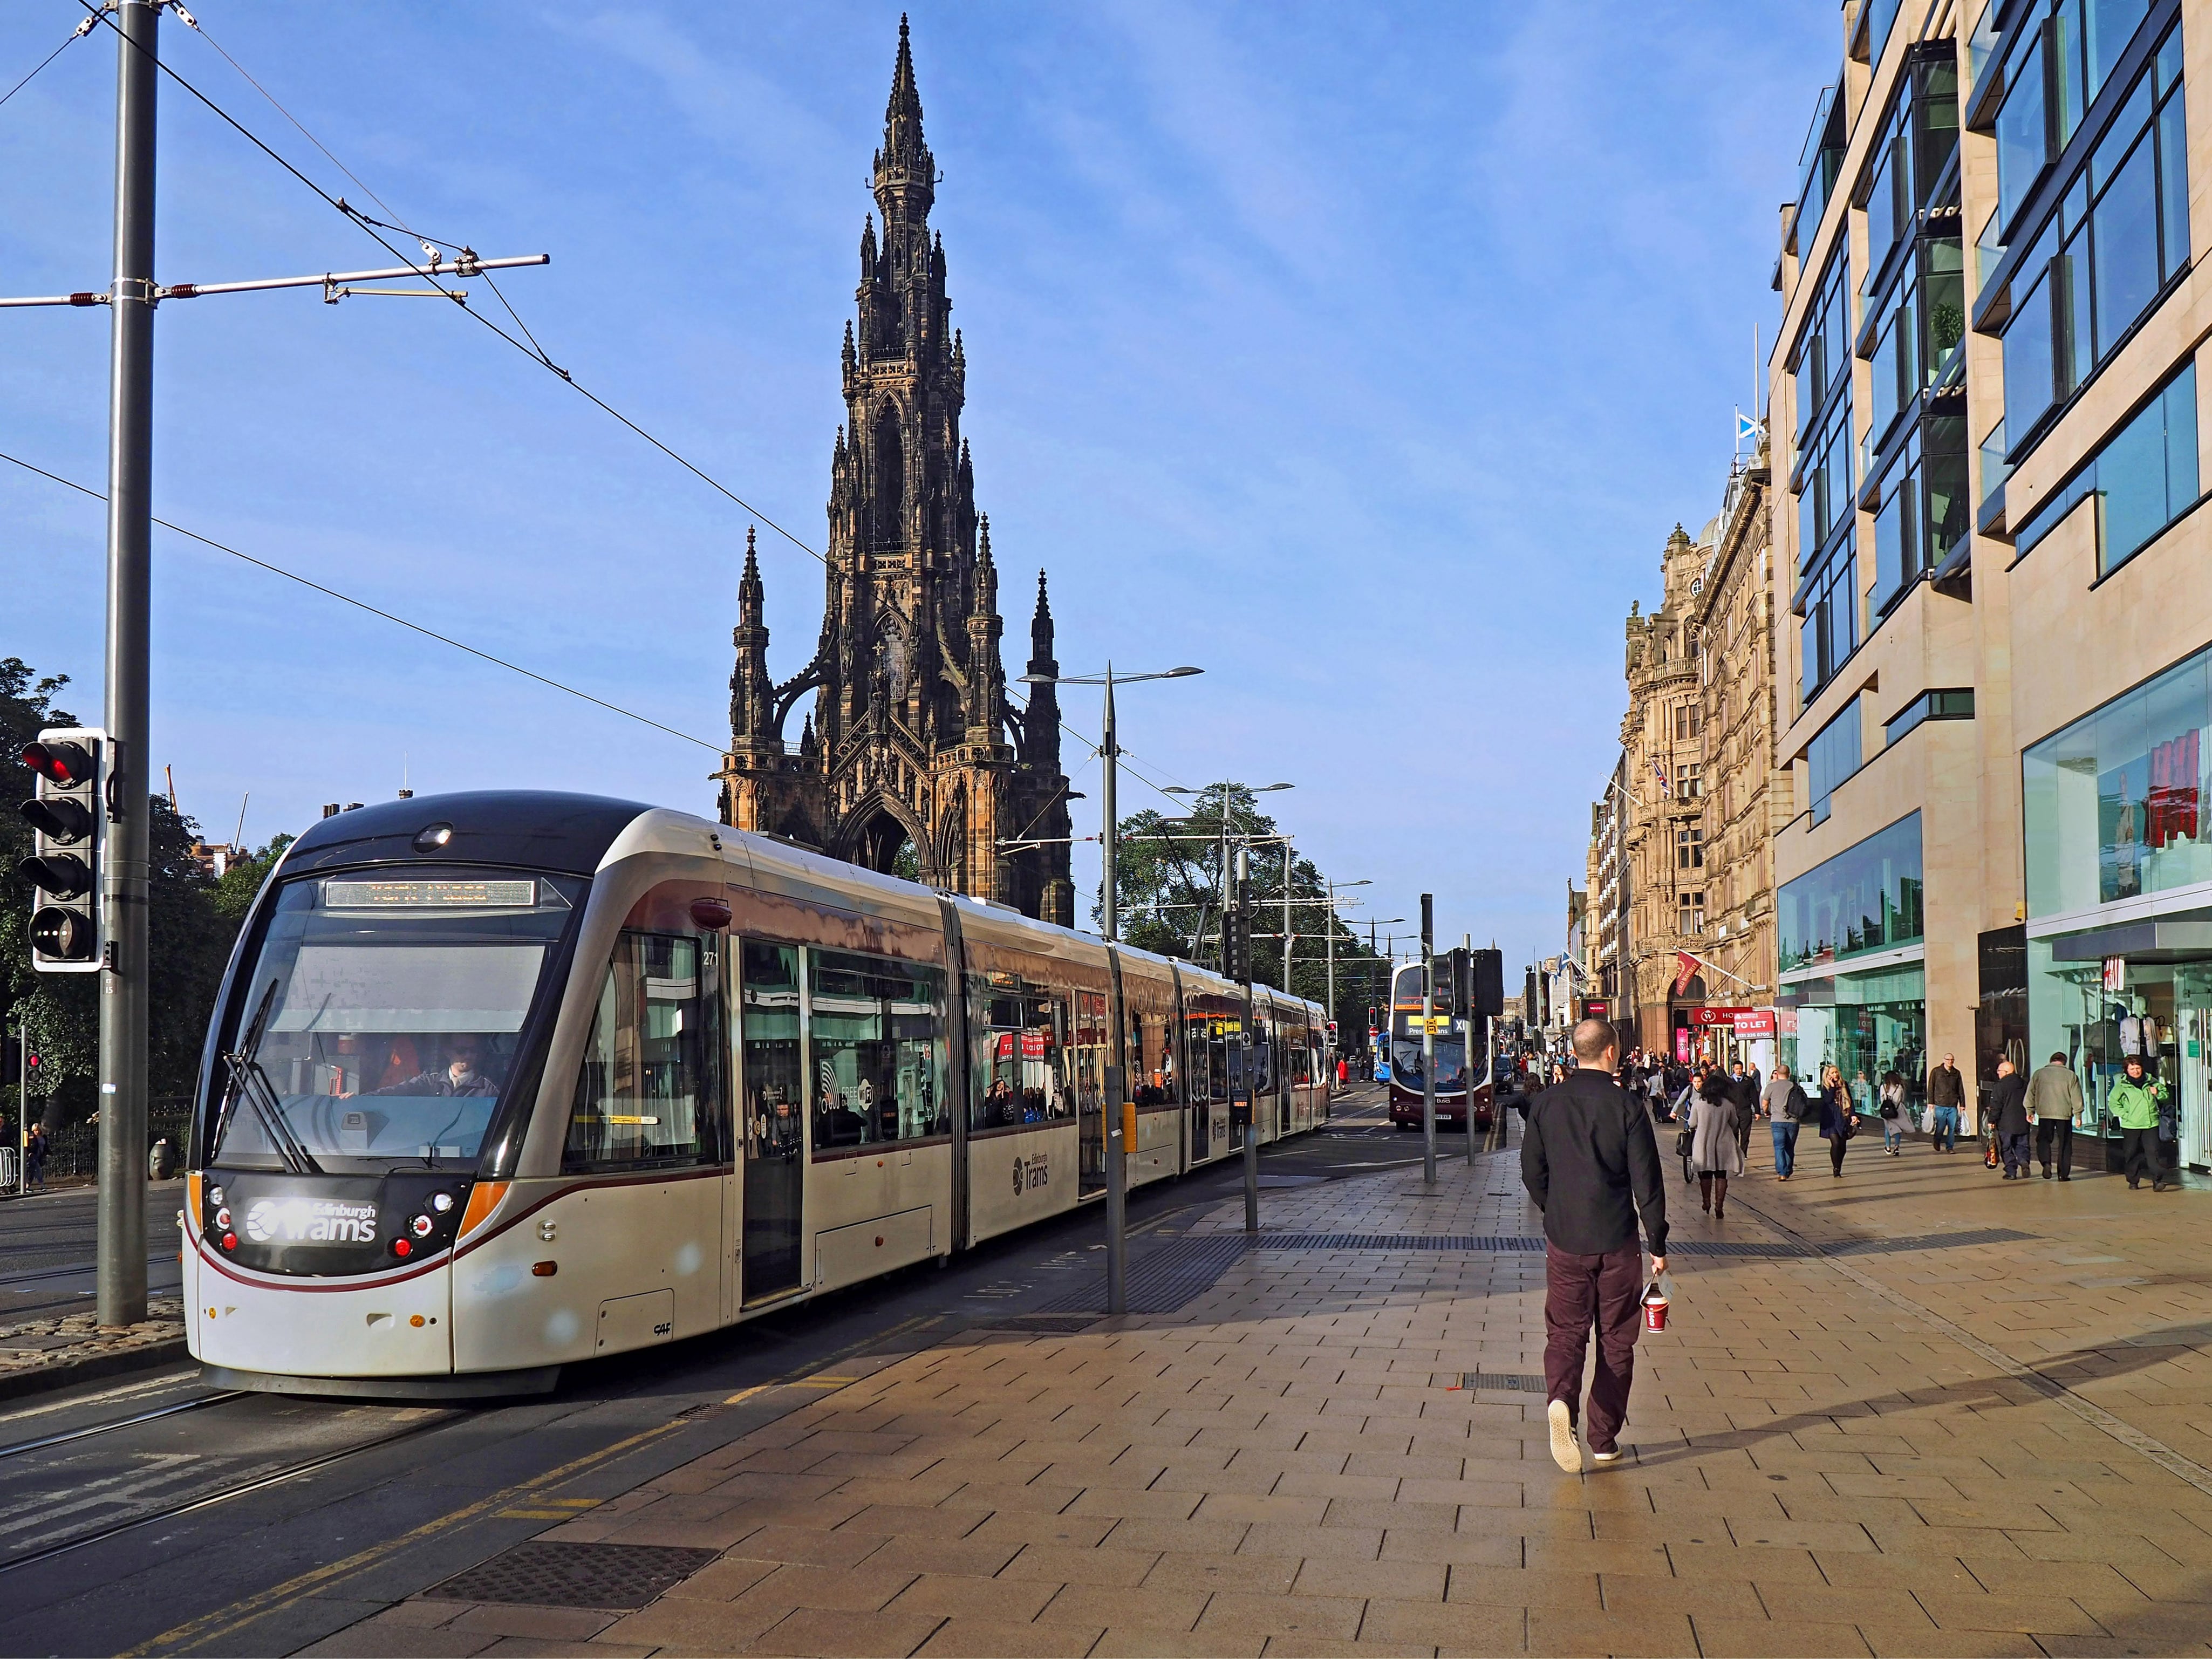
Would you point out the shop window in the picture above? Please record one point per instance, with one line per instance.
(875, 1036)
(1868, 897)
(2143, 477)
(2113, 806)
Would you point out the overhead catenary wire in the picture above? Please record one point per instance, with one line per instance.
(374, 610)
(96, 15)
(77, 34)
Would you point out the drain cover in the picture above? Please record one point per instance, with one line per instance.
(1515, 1382)
(575, 1575)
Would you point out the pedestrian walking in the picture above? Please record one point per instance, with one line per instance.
(34, 1159)
(1947, 1092)
(1713, 1143)
(1892, 1114)
(2008, 1108)
(2054, 1100)
(1590, 1162)
(1683, 1145)
(1784, 1104)
(1839, 1123)
(2137, 1102)
(1743, 1095)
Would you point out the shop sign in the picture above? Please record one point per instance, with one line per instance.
(1727, 1017)
(1785, 1022)
(2116, 973)
(1593, 1007)
(1682, 1044)
(1754, 1023)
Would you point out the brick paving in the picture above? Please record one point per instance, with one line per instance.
(1994, 1449)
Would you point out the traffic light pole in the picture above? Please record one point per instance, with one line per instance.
(123, 979)
(1428, 1039)
(1251, 1054)
(1489, 1060)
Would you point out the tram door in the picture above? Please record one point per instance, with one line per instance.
(772, 1147)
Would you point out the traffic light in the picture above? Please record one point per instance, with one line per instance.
(1486, 996)
(1462, 982)
(67, 819)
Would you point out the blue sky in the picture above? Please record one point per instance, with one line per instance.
(1365, 356)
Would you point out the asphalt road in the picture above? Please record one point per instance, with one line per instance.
(160, 1514)
(46, 1248)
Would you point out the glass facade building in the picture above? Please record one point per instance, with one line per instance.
(1863, 905)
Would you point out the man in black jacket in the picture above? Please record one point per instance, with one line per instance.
(1591, 1161)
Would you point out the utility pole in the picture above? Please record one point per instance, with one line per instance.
(123, 977)
(1251, 1094)
(1428, 1040)
(1490, 1064)
(1117, 1148)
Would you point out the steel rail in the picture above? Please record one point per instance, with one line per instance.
(21, 1446)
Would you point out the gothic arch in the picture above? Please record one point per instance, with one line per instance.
(890, 474)
(952, 843)
(874, 831)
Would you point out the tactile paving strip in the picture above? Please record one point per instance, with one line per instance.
(547, 1575)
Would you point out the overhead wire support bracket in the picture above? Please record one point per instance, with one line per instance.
(327, 281)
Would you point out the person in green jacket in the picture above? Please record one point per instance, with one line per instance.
(2134, 1102)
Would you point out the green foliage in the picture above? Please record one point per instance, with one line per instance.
(1168, 888)
(191, 920)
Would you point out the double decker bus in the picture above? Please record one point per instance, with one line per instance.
(1408, 1057)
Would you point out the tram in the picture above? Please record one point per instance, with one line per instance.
(1407, 1058)
(499, 1082)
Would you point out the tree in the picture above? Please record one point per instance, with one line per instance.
(192, 921)
(1168, 893)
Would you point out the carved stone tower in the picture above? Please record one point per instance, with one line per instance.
(912, 742)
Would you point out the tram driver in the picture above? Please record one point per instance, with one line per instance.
(463, 1072)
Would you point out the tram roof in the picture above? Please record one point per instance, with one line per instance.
(535, 829)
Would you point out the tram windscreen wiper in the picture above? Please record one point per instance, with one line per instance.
(249, 1083)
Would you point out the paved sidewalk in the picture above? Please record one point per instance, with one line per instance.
(1839, 1447)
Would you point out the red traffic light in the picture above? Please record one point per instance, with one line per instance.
(67, 764)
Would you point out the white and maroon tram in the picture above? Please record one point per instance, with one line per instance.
(502, 1081)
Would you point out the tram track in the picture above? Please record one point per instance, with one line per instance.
(260, 1481)
(90, 1429)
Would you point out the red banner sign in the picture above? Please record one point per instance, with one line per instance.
(1709, 1016)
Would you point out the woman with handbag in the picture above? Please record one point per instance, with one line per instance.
(1839, 1123)
(1683, 1141)
(1713, 1143)
(1892, 1114)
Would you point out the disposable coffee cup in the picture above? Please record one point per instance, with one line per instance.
(1654, 1307)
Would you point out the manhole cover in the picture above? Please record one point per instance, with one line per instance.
(575, 1575)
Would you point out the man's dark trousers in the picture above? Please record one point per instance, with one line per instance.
(2139, 1155)
(1580, 1291)
(2062, 1131)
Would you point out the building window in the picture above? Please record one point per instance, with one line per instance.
(1690, 914)
(1954, 703)
(1868, 897)
(1687, 724)
(1690, 848)
(2058, 59)
(1922, 516)
(2105, 254)
(1832, 757)
(1828, 601)
(1693, 780)
(2144, 476)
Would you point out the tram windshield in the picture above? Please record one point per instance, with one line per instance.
(379, 1019)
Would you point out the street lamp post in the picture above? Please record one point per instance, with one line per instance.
(1116, 1137)
(1251, 1094)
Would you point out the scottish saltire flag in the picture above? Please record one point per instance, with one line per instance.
(1746, 430)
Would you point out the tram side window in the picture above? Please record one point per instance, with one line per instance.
(1159, 1066)
(1090, 1034)
(876, 1039)
(1019, 1069)
(645, 1093)
(775, 1081)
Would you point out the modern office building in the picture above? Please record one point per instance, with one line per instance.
(1994, 626)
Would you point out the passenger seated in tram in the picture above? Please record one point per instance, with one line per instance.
(463, 1073)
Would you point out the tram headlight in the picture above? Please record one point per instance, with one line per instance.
(222, 1220)
(421, 1226)
(441, 1202)
(215, 1195)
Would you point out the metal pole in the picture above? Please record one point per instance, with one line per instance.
(1251, 1093)
(1117, 1150)
(1428, 1040)
(1489, 1064)
(123, 982)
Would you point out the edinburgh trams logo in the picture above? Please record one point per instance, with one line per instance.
(1030, 1173)
(311, 1221)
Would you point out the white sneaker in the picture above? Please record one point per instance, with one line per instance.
(1566, 1449)
(1613, 1456)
